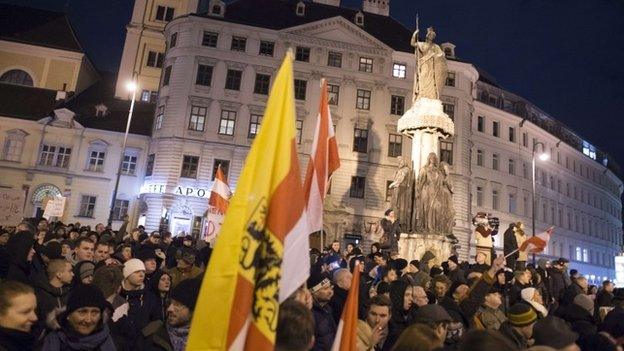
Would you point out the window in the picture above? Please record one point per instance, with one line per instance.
(481, 124)
(495, 129)
(204, 75)
(159, 117)
(225, 168)
(398, 70)
(233, 79)
(155, 59)
(120, 209)
(129, 163)
(397, 105)
(512, 203)
(266, 48)
(449, 109)
(512, 134)
(333, 94)
(360, 140)
(479, 157)
(254, 126)
(189, 166)
(450, 79)
(96, 161)
(357, 187)
(238, 44)
(87, 206)
(149, 96)
(198, 118)
(166, 76)
(226, 124)
(446, 152)
(525, 139)
(210, 39)
(149, 167)
(261, 86)
(388, 191)
(366, 65)
(13, 146)
(302, 54)
(525, 170)
(55, 156)
(299, 127)
(495, 162)
(300, 89)
(334, 59)
(173, 41)
(18, 77)
(164, 13)
(585, 256)
(495, 203)
(395, 145)
(479, 196)
(512, 167)
(363, 99)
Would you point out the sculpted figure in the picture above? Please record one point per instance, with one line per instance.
(434, 204)
(401, 188)
(432, 69)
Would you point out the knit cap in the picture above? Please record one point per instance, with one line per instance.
(85, 295)
(585, 302)
(554, 332)
(84, 269)
(131, 266)
(521, 315)
(186, 292)
(454, 259)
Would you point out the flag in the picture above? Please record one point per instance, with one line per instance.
(246, 279)
(324, 160)
(217, 205)
(537, 243)
(346, 335)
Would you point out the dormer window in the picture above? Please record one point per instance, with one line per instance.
(101, 110)
(359, 19)
(448, 51)
(217, 8)
(300, 11)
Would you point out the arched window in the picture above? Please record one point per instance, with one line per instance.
(17, 76)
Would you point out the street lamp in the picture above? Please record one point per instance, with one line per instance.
(132, 87)
(542, 157)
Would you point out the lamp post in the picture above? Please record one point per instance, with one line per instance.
(543, 157)
(132, 87)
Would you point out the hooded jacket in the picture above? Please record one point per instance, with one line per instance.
(48, 298)
(18, 246)
(161, 302)
(64, 338)
(400, 318)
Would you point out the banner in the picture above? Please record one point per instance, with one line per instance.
(55, 207)
(11, 206)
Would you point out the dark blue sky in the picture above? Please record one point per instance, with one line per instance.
(566, 56)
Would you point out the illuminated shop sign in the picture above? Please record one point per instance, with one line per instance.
(178, 190)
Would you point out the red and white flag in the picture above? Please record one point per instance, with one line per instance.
(217, 205)
(537, 243)
(324, 160)
(346, 335)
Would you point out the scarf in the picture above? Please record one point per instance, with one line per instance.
(178, 337)
(66, 339)
(539, 307)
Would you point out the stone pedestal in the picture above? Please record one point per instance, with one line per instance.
(413, 246)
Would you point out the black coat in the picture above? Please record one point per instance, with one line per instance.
(18, 246)
(337, 302)
(514, 292)
(48, 298)
(324, 327)
(143, 308)
(14, 340)
(603, 298)
(545, 286)
(516, 338)
(509, 245)
(557, 283)
(5, 262)
(154, 337)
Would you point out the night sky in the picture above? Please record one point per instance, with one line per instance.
(567, 57)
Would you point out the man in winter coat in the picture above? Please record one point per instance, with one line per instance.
(81, 326)
(325, 326)
(522, 281)
(605, 295)
(173, 335)
(52, 293)
(557, 280)
(20, 248)
(143, 304)
(342, 283)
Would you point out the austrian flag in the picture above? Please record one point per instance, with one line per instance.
(218, 205)
(537, 243)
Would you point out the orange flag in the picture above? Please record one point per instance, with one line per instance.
(346, 336)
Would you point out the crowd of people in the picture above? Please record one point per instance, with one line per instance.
(68, 287)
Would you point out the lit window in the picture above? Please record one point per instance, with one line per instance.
(87, 206)
(189, 166)
(96, 161)
(198, 118)
(395, 145)
(398, 70)
(55, 156)
(120, 209)
(449, 109)
(446, 152)
(129, 163)
(333, 94)
(226, 124)
(450, 79)
(363, 99)
(366, 65)
(254, 126)
(159, 117)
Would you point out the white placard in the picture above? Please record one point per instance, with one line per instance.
(11, 206)
(54, 207)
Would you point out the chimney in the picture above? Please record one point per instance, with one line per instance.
(328, 2)
(379, 7)
(61, 95)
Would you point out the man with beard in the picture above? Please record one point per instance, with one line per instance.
(174, 334)
(324, 324)
(81, 326)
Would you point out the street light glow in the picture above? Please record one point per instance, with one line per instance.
(544, 157)
(131, 86)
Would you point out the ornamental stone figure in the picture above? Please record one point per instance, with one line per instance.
(401, 188)
(432, 69)
(434, 201)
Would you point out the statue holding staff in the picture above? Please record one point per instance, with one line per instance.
(431, 67)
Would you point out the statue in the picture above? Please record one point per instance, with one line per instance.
(486, 228)
(434, 201)
(401, 188)
(431, 67)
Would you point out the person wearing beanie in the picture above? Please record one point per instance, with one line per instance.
(185, 268)
(151, 262)
(556, 333)
(490, 314)
(81, 326)
(519, 325)
(533, 298)
(142, 302)
(21, 252)
(325, 327)
(455, 273)
(174, 333)
(83, 272)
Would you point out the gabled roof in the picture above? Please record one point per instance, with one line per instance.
(37, 27)
(280, 14)
(27, 103)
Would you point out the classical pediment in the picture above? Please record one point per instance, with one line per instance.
(339, 33)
